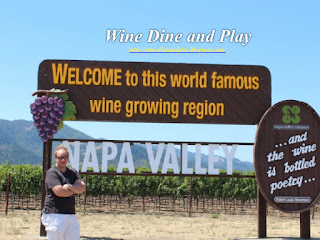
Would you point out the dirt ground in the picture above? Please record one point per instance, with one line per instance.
(23, 224)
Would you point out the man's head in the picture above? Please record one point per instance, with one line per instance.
(61, 157)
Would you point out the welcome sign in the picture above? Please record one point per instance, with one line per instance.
(161, 92)
(286, 156)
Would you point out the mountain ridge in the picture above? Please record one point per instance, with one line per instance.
(20, 144)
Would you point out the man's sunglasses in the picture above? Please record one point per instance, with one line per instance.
(62, 157)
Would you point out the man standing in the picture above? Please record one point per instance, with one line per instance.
(62, 183)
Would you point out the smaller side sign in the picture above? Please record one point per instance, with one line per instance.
(286, 154)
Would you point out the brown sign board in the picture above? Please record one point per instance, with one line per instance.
(286, 153)
(161, 92)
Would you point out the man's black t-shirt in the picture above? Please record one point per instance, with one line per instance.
(53, 203)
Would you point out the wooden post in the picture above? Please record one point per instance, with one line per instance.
(85, 195)
(305, 225)
(262, 215)
(8, 192)
(190, 197)
(46, 164)
(313, 212)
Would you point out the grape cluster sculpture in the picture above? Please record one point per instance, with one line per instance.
(49, 112)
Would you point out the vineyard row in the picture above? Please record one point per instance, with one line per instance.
(27, 179)
(148, 194)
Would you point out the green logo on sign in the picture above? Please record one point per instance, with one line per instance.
(291, 114)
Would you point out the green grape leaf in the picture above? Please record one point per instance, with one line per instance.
(60, 125)
(69, 111)
(64, 96)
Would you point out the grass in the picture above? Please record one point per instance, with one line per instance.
(216, 215)
(25, 225)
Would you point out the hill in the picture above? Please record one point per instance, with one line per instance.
(20, 144)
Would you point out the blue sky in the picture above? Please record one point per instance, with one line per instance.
(285, 37)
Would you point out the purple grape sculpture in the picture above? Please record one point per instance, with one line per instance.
(48, 112)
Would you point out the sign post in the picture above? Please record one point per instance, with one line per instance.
(47, 151)
(262, 215)
(305, 225)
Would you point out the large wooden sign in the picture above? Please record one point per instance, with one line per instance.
(161, 92)
(286, 155)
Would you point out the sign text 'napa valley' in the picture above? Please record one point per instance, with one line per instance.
(162, 157)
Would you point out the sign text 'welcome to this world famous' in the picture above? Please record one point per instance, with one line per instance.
(161, 92)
